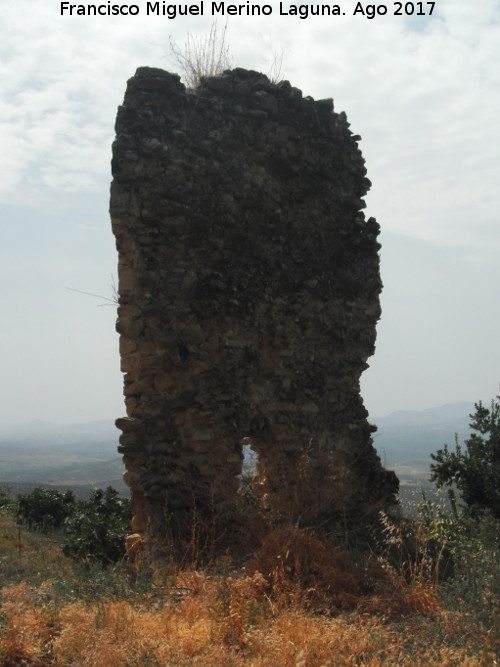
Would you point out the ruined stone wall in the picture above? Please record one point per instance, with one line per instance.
(249, 293)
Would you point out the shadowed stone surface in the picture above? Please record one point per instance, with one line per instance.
(249, 294)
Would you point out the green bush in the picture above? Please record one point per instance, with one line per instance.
(475, 470)
(474, 587)
(44, 509)
(92, 531)
(6, 500)
(95, 531)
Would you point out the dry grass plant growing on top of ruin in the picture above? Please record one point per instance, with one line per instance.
(207, 55)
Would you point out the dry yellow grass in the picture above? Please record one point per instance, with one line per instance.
(275, 618)
(214, 627)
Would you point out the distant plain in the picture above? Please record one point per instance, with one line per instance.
(83, 457)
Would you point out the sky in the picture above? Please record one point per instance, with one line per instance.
(423, 91)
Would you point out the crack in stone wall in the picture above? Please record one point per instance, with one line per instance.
(248, 299)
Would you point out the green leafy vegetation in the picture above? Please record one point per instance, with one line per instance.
(474, 470)
(44, 509)
(91, 530)
(96, 529)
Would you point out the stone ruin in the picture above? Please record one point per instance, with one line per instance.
(248, 299)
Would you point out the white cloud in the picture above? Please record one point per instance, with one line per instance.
(424, 93)
(425, 101)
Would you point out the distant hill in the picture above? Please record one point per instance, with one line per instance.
(405, 439)
(37, 433)
(450, 413)
(76, 456)
(84, 456)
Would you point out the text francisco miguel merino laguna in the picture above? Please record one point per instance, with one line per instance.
(221, 8)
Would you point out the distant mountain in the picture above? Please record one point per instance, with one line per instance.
(43, 432)
(77, 456)
(405, 439)
(451, 413)
(85, 455)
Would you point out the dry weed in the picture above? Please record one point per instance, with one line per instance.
(229, 622)
(303, 569)
(304, 604)
(27, 631)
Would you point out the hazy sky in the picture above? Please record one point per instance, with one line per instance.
(422, 91)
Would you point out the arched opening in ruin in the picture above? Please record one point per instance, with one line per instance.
(249, 463)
